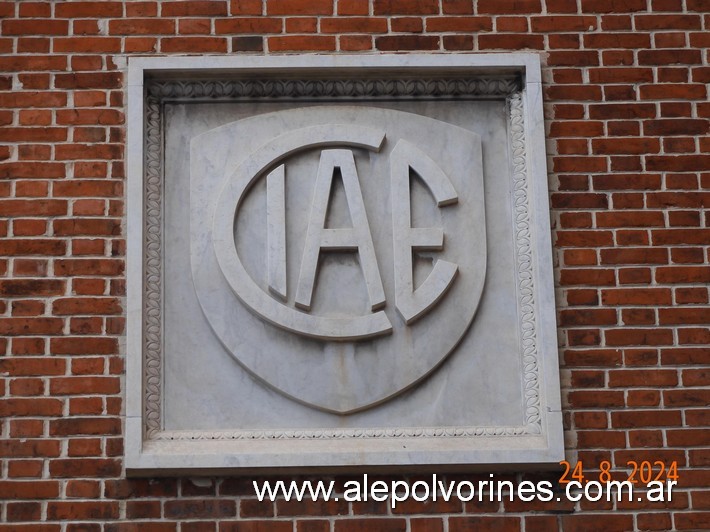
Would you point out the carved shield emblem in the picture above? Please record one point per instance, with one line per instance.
(338, 252)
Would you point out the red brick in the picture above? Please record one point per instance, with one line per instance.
(698, 417)
(297, 508)
(684, 355)
(667, 91)
(669, 57)
(140, 488)
(580, 257)
(609, 522)
(627, 337)
(26, 387)
(301, 43)
(644, 398)
(193, 8)
(302, 25)
(616, 40)
(580, 164)
(557, 41)
(563, 23)
(643, 378)
(89, 116)
(219, 508)
(587, 379)
(88, 9)
(637, 296)
(33, 134)
(594, 277)
(93, 80)
(31, 366)
(576, 129)
(638, 316)
(483, 524)
(458, 42)
(407, 42)
(407, 24)
(76, 510)
(510, 41)
(31, 287)
(23, 511)
(456, 7)
(29, 448)
(574, 93)
(193, 44)
(354, 25)
(613, 6)
(630, 219)
(646, 418)
(666, 22)
(696, 377)
(87, 366)
(299, 7)
(579, 220)
(140, 44)
(32, 117)
(71, 267)
(590, 420)
(30, 407)
(256, 526)
(684, 316)
(35, 27)
(463, 24)
(603, 439)
(353, 7)
(82, 286)
(83, 346)
(194, 26)
(687, 438)
(84, 306)
(96, 426)
(681, 236)
(249, 25)
(588, 317)
(84, 467)
(30, 326)
(144, 510)
(366, 525)
(579, 201)
(582, 297)
(583, 337)
(584, 238)
(254, 508)
(692, 521)
(688, 397)
(595, 399)
(684, 219)
(693, 335)
(405, 7)
(88, 45)
(141, 526)
(29, 489)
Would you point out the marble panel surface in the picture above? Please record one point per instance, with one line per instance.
(328, 271)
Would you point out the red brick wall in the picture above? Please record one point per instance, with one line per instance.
(629, 160)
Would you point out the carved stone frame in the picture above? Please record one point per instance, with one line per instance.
(514, 77)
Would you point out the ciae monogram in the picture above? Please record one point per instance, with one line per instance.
(411, 303)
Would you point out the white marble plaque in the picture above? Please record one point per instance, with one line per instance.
(339, 262)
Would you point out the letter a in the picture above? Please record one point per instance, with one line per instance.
(358, 238)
